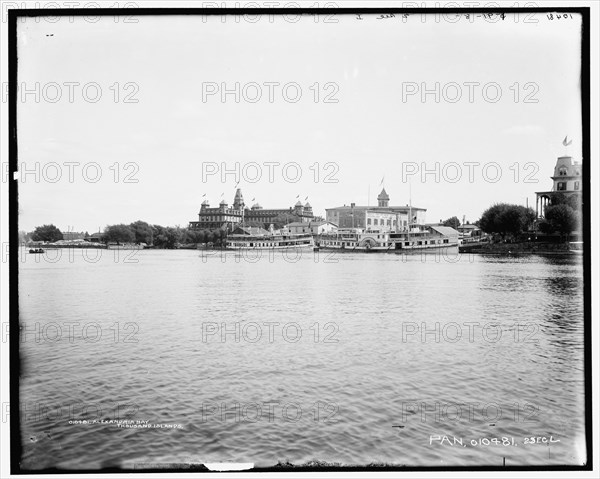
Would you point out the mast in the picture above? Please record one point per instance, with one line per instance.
(409, 204)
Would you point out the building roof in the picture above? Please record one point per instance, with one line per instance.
(377, 208)
(445, 230)
(299, 203)
(250, 230)
(383, 195)
(310, 223)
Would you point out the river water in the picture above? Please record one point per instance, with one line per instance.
(421, 360)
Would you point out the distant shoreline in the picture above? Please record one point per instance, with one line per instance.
(526, 247)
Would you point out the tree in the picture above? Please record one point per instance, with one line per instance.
(559, 198)
(254, 224)
(143, 232)
(193, 236)
(561, 218)
(504, 218)
(49, 233)
(168, 237)
(24, 237)
(119, 234)
(283, 219)
(453, 222)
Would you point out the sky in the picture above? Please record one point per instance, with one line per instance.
(162, 138)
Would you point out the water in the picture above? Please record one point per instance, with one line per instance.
(166, 350)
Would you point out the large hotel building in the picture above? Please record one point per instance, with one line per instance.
(382, 217)
(225, 216)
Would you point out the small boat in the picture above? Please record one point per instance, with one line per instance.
(36, 251)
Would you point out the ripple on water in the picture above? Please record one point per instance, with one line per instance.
(359, 367)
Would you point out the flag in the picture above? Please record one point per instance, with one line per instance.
(567, 143)
(222, 194)
(236, 184)
(297, 196)
(203, 195)
(253, 199)
(306, 198)
(382, 181)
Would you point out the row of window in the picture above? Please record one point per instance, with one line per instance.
(564, 172)
(406, 243)
(562, 186)
(271, 245)
(382, 222)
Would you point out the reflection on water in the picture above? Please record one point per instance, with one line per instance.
(352, 359)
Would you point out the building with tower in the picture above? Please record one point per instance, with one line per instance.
(229, 217)
(382, 217)
(567, 184)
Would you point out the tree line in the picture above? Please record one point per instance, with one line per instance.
(561, 217)
(138, 232)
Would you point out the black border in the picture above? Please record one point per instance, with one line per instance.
(15, 426)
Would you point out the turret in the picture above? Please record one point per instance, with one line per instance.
(238, 201)
(383, 199)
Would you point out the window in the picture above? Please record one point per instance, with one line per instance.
(561, 186)
(562, 172)
(369, 221)
(375, 222)
(576, 185)
(389, 222)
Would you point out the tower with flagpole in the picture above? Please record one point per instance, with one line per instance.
(567, 183)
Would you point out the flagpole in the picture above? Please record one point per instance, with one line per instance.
(409, 203)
